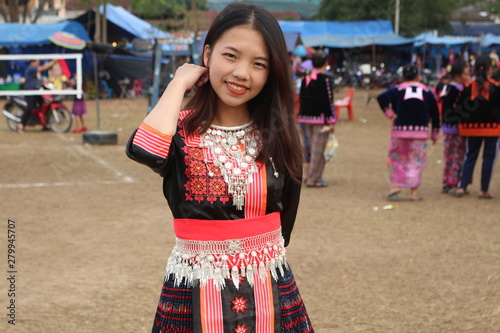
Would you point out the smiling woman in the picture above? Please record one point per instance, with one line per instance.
(238, 71)
(232, 178)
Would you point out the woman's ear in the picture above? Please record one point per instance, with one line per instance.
(206, 55)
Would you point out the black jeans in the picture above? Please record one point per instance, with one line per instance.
(33, 102)
(490, 152)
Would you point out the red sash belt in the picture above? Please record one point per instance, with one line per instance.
(217, 230)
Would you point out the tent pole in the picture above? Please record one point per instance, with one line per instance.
(374, 54)
(96, 84)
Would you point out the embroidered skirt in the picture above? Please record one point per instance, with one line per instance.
(406, 162)
(230, 276)
(454, 157)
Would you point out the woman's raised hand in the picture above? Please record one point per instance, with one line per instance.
(191, 76)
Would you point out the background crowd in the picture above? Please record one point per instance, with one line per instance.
(460, 107)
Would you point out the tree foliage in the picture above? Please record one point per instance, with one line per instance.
(415, 15)
(162, 9)
(11, 10)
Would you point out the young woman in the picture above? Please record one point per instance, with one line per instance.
(478, 114)
(317, 113)
(411, 106)
(454, 144)
(231, 175)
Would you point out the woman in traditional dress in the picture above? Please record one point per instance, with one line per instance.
(454, 144)
(231, 175)
(478, 114)
(411, 106)
(317, 113)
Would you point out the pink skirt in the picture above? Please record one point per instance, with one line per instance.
(454, 157)
(406, 162)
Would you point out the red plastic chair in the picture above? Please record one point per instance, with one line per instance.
(345, 102)
(137, 87)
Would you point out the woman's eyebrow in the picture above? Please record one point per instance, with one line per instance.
(235, 50)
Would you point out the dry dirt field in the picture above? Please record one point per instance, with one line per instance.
(93, 233)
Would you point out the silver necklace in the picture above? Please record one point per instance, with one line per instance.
(233, 150)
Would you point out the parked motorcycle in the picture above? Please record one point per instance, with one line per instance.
(52, 113)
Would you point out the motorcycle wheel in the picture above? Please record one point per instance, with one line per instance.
(60, 120)
(15, 111)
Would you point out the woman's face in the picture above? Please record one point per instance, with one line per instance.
(238, 65)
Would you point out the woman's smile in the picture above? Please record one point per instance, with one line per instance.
(236, 88)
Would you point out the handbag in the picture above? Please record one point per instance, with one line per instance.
(331, 148)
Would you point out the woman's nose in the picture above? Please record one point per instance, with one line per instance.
(241, 71)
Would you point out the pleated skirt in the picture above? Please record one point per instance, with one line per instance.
(270, 306)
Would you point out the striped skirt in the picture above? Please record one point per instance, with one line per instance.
(230, 276)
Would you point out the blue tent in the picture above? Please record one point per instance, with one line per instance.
(122, 24)
(24, 35)
(131, 23)
(345, 34)
(32, 38)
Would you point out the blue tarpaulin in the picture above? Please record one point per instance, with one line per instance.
(490, 40)
(135, 26)
(23, 35)
(343, 41)
(427, 38)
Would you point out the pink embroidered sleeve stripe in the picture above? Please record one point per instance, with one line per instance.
(152, 140)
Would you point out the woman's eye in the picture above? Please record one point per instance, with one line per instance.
(229, 55)
(261, 65)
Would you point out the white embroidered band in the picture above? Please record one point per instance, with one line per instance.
(194, 262)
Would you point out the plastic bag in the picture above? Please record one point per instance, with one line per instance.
(331, 148)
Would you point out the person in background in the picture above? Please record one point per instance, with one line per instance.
(454, 144)
(232, 178)
(317, 113)
(57, 76)
(494, 57)
(79, 109)
(478, 114)
(438, 62)
(32, 83)
(411, 106)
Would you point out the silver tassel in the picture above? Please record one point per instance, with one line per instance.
(235, 277)
(262, 271)
(250, 275)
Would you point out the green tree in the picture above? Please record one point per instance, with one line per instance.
(158, 8)
(416, 16)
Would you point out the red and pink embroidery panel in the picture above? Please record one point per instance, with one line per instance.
(201, 187)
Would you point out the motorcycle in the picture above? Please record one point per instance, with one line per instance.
(52, 113)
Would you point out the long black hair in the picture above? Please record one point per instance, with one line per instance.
(481, 84)
(481, 67)
(272, 108)
(457, 69)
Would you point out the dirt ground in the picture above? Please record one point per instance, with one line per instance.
(93, 233)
